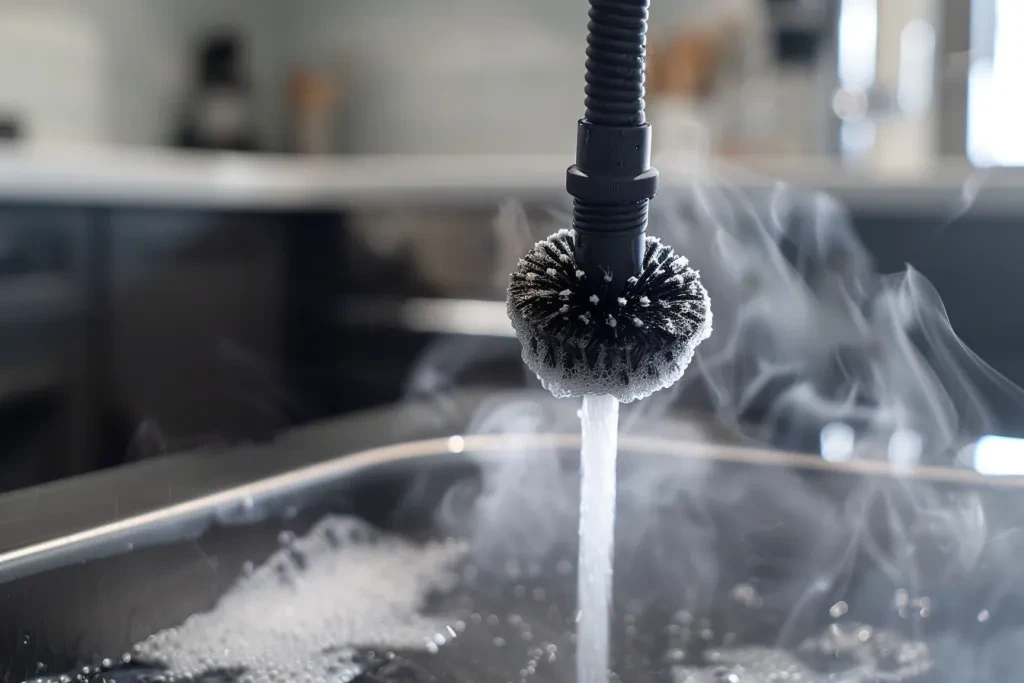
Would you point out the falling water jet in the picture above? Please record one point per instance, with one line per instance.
(597, 531)
(604, 311)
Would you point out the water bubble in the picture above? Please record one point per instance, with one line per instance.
(513, 570)
(746, 595)
(498, 642)
(675, 655)
(564, 567)
(839, 609)
(983, 616)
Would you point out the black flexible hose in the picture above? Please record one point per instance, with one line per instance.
(612, 180)
(616, 46)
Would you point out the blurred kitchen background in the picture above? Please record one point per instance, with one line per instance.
(219, 218)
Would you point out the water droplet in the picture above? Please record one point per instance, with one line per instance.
(746, 595)
(499, 642)
(839, 609)
(983, 616)
(456, 444)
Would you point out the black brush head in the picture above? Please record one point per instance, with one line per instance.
(580, 338)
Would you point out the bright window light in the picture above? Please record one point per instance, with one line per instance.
(999, 456)
(995, 100)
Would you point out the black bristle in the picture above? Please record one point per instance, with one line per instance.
(582, 338)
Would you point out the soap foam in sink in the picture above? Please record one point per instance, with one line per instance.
(854, 653)
(300, 615)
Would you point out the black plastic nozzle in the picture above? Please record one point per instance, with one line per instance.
(612, 181)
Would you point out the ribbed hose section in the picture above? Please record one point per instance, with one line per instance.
(616, 47)
(620, 217)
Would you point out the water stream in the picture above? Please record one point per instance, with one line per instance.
(597, 530)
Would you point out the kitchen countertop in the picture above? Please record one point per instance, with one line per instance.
(36, 173)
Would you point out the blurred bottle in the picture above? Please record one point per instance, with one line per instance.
(312, 100)
(681, 79)
(220, 112)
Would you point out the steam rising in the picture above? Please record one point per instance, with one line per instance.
(811, 335)
(808, 338)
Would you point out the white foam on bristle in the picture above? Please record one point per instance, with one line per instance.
(632, 359)
(299, 615)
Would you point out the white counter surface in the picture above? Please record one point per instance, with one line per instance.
(147, 177)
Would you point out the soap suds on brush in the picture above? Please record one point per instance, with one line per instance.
(581, 338)
(299, 616)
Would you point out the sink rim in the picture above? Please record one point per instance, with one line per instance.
(194, 515)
